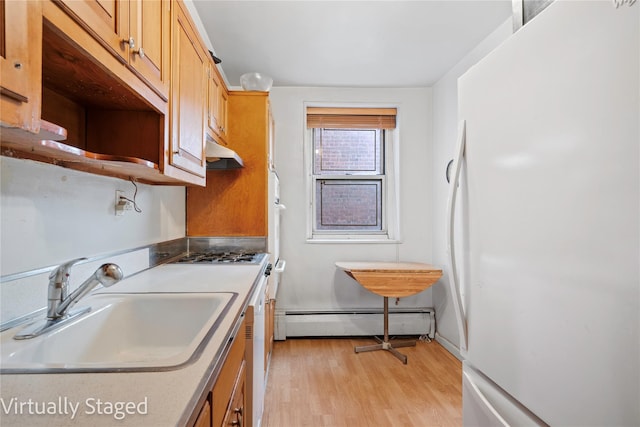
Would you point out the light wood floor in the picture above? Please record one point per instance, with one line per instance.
(323, 382)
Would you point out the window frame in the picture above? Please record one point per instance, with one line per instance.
(389, 185)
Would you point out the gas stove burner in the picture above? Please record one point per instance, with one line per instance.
(213, 257)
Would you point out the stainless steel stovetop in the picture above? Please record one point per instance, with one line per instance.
(222, 257)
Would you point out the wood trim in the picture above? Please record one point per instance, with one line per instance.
(353, 111)
(351, 118)
(13, 95)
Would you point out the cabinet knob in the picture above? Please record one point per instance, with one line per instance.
(238, 411)
(17, 65)
(140, 52)
(130, 41)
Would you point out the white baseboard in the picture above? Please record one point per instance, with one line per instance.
(353, 323)
(449, 346)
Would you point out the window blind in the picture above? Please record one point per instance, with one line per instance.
(351, 118)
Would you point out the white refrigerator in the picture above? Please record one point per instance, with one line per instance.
(545, 208)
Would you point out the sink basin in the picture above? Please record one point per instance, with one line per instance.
(123, 332)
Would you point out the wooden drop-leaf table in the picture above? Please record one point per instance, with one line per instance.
(395, 280)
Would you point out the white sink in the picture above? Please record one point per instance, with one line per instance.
(123, 332)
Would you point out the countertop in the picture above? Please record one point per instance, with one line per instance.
(164, 398)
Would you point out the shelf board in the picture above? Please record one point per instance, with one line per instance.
(58, 153)
(48, 131)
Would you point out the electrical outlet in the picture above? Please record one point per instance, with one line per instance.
(121, 204)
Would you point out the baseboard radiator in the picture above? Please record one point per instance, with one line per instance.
(416, 321)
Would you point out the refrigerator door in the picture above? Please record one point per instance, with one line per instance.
(485, 405)
(552, 177)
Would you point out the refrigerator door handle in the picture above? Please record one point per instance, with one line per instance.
(452, 268)
(447, 173)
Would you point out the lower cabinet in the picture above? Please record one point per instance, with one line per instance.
(204, 418)
(225, 403)
(234, 415)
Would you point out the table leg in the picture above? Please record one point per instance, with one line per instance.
(385, 344)
(386, 319)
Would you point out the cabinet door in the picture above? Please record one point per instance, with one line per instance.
(20, 64)
(212, 100)
(217, 105)
(204, 418)
(238, 404)
(188, 95)
(223, 100)
(234, 416)
(149, 29)
(106, 20)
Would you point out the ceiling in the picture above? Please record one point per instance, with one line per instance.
(347, 43)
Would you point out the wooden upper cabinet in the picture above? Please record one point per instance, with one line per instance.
(135, 31)
(149, 27)
(213, 87)
(234, 201)
(223, 101)
(96, 74)
(188, 96)
(106, 20)
(217, 106)
(20, 63)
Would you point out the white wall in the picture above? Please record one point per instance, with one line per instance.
(311, 280)
(50, 214)
(445, 128)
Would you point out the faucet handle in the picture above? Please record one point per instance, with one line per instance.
(62, 271)
(58, 287)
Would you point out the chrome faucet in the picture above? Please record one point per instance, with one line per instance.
(106, 275)
(58, 287)
(59, 301)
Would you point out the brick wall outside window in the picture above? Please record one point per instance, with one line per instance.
(344, 150)
(344, 203)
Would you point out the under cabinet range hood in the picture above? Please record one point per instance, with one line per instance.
(220, 157)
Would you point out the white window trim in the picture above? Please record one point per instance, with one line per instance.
(390, 204)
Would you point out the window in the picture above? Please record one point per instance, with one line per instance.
(351, 188)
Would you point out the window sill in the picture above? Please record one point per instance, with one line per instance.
(352, 240)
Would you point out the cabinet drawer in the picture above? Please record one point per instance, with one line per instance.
(223, 388)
